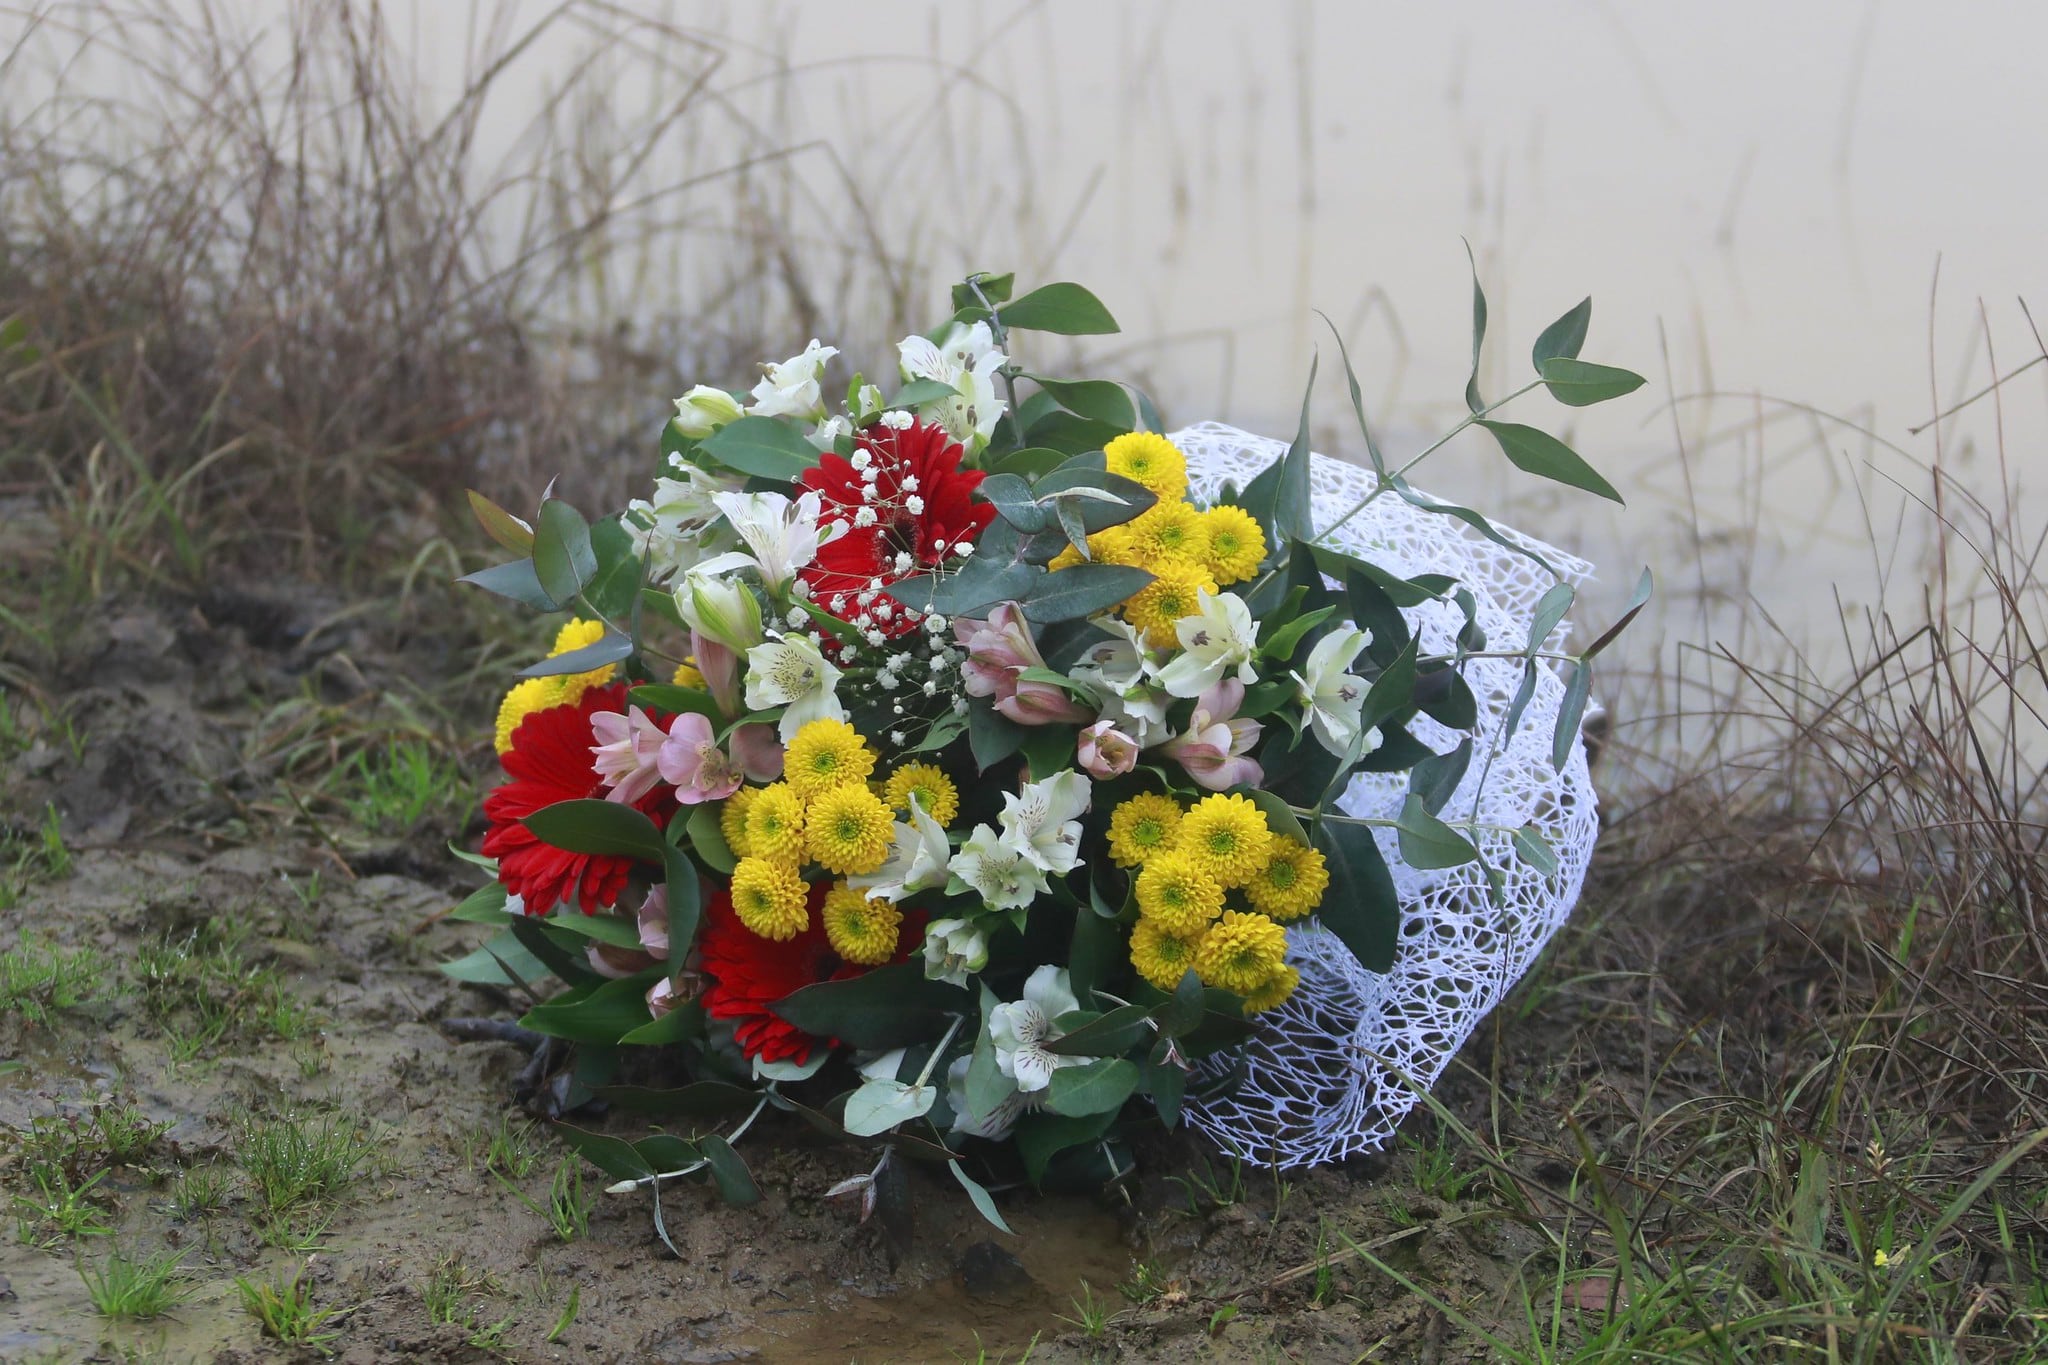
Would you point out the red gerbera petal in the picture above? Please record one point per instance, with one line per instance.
(550, 761)
(749, 974)
(920, 462)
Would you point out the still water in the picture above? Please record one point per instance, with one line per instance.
(1781, 211)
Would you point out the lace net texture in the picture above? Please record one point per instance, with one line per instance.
(1332, 1071)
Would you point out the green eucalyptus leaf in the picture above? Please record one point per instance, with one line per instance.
(562, 558)
(1436, 778)
(1563, 338)
(735, 1182)
(991, 735)
(609, 650)
(1540, 453)
(1428, 843)
(1099, 400)
(509, 531)
(1636, 602)
(1106, 1035)
(1533, 849)
(1094, 1088)
(1361, 906)
(919, 391)
(993, 289)
(1472, 398)
(1041, 1137)
(1014, 502)
(707, 837)
(1372, 448)
(1032, 462)
(1422, 502)
(614, 1156)
(1081, 590)
(984, 1203)
(1573, 710)
(892, 1006)
(1580, 384)
(1550, 609)
(516, 581)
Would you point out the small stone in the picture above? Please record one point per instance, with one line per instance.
(988, 1271)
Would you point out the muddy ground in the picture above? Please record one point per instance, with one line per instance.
(188, 749)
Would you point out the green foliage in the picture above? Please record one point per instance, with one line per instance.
(396, 789)
(200, 991)
(136, 1289)
(38, 978)
(284, 1308)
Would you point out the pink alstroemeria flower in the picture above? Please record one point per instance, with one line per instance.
(625, 753)
(691, 761)
(998, 650)
(1105, 751)
(720, 668)
(616, 963)
(1214, 747)
(757, 750)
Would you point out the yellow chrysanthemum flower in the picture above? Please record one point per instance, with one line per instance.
(848, 830)
(1148, 458)
(1228, 836)
(1162, 956)
(774, 826)
(936, 795)
(1179, 892)
(1065, 559)
(1113, 545)
(1240, 952)
(732, 820)
(687, 675)
(1142, 826)
(534, 694)
(1291, 883)
(575, 634)
(859, 929)
(1236, 544)
(1272, 990)
(770, 899)
(1169, 531)
(825, 754)
(1170, 595)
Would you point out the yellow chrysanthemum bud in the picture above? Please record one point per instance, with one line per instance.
(1160, 955)
(534, 694)
(1228, 836)
(1291, 883)
(825, 754)
(770, 899)
(860, 930)
(1171, 595)
(775, 825)
(732, 820)
(936, 795)
(1178, 892)
(1141, 827)
(848, 830)
(1148, 458)
(1237, 545)
(1241, 952)
(1272, 990)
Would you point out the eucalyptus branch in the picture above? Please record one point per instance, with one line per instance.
(932, 1061)
(999, 335)
(1380, 486)
(628, 1186)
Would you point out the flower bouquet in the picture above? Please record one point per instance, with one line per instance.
(939, 768)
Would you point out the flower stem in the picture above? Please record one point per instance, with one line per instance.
(1381, 486)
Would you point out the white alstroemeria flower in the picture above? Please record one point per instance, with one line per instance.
(720, 609)
(965, 359)
(1041, 823)
(1003, 877)
(781, 536)
(791, 673)
(704, 410)
(1219, 638)
(995, 1125)
(826, 434)
(1121, 678)
(865, 404)
(917, 860)
(791, 388)
(953, 949)
(1334, 697)
(1021, 1029)
(671, 529)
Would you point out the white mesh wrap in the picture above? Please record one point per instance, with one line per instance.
(1324, 1075)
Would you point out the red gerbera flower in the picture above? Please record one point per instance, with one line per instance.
(550, 761)
(749, 974)
(923, 507)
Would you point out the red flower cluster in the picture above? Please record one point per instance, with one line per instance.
(749, 974)
(906, 504)
(550, 761)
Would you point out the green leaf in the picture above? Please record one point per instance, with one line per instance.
(987, 1087)
(1105, 1035)
(602, 1016)
(1428, 843)
(765, 447)
(1030, 463)
(921, 391)
(1550, 609)
(605, 828)
(707, 836)
(1393, 691)
(1524, 690)
(1562, 339)
(503, 961)
(562, 558)
(485, 905)
(1436, 778)
(1099, 400)
(1422, 502)
(984, 1203)
(609, 650)
(685, 896)
(680, 1024)
(1278, 499)
(560, 950)
(1081, 590)
(1540, 453)
(1472, 398)
(991, 735)
(1167, 1084)
(614, 1156)
(616, 586)
(1581, 384)
(1570, 714)
(1098, 514)
(1181, 1012)
(1058, 429)
(1636, 602)
(1532, 849)
(1280, 817)
(1072, 525)
(1096, 1088)
(1014, 502)
(699, 1100)
(893, 1006)
(1063, 309)
(500, 525)
(616, 930)
(1372, 449)
(1361, 906)
(515, 580)
(1047, 749)
(1280, 644)
(995, 289)
(735, 1182)
(983, 583)
(879, 1105)
(675, 700)
(1041, 1137)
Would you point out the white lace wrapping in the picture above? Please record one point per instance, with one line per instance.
(1332, 1071)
